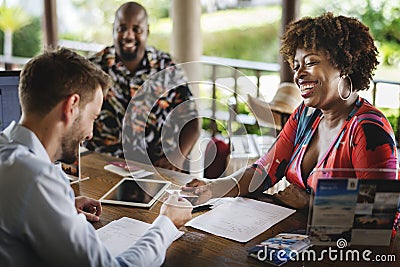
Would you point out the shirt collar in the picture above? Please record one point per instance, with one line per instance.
(19, 134)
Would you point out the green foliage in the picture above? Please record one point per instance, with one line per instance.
(390, 52)
(393, 117)
(12, 18)
(99, 15)
(157, 8)
(383, 20)
(384, 24)
(102, 10)
(242, 108)
(27, 40)
(256, 40)
(160, 40)
(256, 43)
(222, 128)
(381, 16)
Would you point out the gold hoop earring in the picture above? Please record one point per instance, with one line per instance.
(351, 87)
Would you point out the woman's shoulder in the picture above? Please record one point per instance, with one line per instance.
(371, 127)
(367, 111)
(365, 105)
(370, 116)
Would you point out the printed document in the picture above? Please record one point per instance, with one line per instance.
(240, 219)
(119, 235)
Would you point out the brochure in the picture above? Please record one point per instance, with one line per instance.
(357, 210)
(281, 248)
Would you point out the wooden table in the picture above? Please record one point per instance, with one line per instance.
(195, 247)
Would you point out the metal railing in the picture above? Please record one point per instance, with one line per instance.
(396, 126)
(374, 88)
(252, 68)
(9, 63)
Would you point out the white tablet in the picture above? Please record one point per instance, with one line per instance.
(135, 192)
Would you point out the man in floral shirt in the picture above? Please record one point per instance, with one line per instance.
(148, 114)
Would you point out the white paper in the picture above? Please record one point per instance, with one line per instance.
(119, 235)
(240, 219)
(124, 173)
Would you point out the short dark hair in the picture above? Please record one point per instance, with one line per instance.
(55, 75)
(346, 42)
(129, 7)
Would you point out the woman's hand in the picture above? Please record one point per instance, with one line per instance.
(90, 207)
(294, 197)
(202, 188)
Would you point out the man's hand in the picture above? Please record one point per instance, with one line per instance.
(178, 209)
(90, 207)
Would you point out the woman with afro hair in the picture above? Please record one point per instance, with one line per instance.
(332, 57)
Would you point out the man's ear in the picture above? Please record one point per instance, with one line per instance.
(71, 108)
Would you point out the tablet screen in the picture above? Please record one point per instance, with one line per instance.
(135, 192)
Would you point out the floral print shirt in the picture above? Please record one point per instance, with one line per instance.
(135, 110)
(366, 140)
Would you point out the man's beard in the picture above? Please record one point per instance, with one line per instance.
(128, 56)
(70, 143)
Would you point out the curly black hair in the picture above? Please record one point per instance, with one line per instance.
(346, 42)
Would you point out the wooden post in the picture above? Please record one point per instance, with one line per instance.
(186, 40)
(290, 11)
(50, 24)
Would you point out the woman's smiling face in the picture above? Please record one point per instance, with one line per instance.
(317, 78)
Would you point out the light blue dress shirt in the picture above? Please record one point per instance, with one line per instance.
(39, 224)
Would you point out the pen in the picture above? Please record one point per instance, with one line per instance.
(201, 208)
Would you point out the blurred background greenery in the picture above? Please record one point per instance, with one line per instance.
(239, 29)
